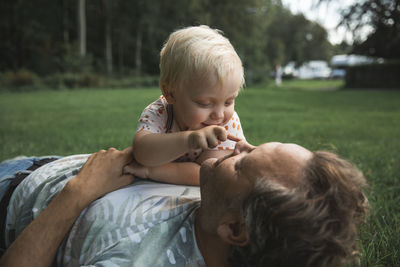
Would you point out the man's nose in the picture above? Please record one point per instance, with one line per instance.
(243, 146)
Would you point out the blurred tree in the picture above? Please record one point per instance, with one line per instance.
(317, 45)
(107, 6)
(126, 36)
(384, 18)
(342, 48)
(245, 23)
(300, 39)
(276, 51)
(81, 10)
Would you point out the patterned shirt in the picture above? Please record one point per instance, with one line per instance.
(144, 224)
(154, 119)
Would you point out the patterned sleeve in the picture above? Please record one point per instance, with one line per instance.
(154, 117)
(234, 128)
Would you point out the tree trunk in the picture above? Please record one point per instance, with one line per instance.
(65, 21)
(121, 52)
(108, 36)
(82, 27)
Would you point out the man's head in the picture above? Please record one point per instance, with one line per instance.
(197, 55)
(282, 205)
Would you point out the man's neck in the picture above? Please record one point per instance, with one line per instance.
(215, 252)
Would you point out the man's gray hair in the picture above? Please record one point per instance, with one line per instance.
(312, 225)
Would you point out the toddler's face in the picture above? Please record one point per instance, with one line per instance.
(206, 103)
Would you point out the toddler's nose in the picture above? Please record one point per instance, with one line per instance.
(217, 114)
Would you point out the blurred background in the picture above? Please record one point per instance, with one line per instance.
(301, 59)
(115, 43)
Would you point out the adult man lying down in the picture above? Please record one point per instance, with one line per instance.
(271, 205)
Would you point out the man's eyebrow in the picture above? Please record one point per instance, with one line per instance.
(222, 159)
(237, 165)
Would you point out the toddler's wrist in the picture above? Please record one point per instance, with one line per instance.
(189, 140)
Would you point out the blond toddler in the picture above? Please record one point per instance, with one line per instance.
(194, 119)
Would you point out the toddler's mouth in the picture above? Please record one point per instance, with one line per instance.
(209, 124)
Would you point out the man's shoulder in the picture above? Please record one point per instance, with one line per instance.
(136, 223)
(147, 190)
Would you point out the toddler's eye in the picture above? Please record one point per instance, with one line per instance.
(203, 104)
(229, 102)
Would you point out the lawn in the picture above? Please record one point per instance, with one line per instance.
(363, 126)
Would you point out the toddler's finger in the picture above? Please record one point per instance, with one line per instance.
(200, 142)
(212, 141)
(220, 133)
(233, 138)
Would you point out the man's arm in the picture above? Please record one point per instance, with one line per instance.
(38, 243)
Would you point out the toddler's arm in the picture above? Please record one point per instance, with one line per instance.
(151, 149)
(184, 173)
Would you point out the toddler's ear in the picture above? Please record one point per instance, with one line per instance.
(167, 93)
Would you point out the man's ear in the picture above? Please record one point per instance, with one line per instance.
(233, 232)
(167, 93)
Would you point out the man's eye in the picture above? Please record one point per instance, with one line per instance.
(236, 166)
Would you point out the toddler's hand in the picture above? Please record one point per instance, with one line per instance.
(137, 170)
(207, 137)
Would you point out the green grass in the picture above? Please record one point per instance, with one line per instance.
(363, 126)
(310, 85)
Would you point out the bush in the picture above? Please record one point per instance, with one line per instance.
(374, 76)
(25, 80)
(71, 62)
(72, 80)
(19, 78)
(132, 81)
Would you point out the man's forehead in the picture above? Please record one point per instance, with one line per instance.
(256, 163)
(275, 149)
(283, 162)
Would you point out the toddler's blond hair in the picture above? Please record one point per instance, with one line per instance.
(193, 54)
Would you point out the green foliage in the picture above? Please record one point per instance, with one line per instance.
(342, 48)
(129, 81)
(72, 80)
(362, 126)
(27, 81)
(276, 51)
(18, 79)
(300, 39)
(70, 61)
(383, 17)
(45, 40)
